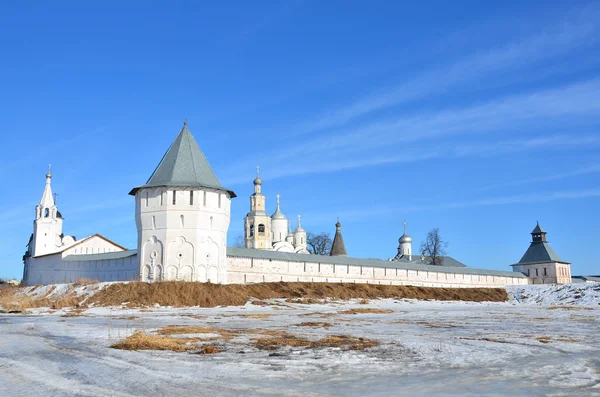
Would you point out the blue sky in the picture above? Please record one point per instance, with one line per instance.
(478, 118)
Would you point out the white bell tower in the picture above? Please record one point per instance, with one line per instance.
(47, 226)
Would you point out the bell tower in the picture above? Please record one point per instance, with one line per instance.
(47, 226)
(257, 223)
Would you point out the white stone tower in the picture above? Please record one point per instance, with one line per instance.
(405, 245)
(182, 217)
(279, 224)
(47, 226)
(257, 223)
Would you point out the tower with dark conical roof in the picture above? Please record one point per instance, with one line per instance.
(182, 217)
(540, 263)
(338, 248)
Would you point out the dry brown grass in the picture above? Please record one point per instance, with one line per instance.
(142, 341)
(316, 324)
(367, 311)
(178, 293)
(84, 281)
(569, 307)
(345, 342)
(224, 334)
(208, 349)
(257, 315)
(15, 299)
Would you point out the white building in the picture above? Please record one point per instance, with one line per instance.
(182, 215)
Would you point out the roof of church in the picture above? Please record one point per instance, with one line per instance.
(340, 260)
(338, 248)
(539, 252)
(184, 164)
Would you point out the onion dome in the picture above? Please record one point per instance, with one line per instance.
(405, 237)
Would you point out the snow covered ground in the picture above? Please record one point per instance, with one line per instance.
(426, 348)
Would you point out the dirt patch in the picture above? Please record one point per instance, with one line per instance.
(345, 342)
(569, 307)
(314, 324)
(366, 311)
(74, 313)
(257, 315)
(129, 318)
(208, 349)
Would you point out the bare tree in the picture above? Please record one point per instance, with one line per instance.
(319, 244)
(239, 242)
(434, 248)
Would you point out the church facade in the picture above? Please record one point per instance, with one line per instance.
(265, 232)
(182, 216)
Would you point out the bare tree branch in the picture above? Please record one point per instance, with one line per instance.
(319, 244)
(239, 242)
(434, 248)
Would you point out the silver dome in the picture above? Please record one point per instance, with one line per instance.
(405, 239)
(278, 215)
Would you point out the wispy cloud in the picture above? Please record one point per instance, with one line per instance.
(578, 30)
(592, 169)
(396, 141)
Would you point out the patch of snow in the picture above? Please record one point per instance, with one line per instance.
(584, 294)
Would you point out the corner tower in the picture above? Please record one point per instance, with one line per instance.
(182, 216)
(47, 226)
(541, 264)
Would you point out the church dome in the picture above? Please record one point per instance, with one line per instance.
(258, 181)
(278, 215)
(405, 239)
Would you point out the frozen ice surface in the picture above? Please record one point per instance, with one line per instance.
(426, 348)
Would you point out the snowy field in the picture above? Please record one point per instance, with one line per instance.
(526, 347)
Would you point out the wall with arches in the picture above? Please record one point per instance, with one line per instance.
(182, 233)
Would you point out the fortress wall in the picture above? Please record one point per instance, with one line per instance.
(53, 269)
(253, 270)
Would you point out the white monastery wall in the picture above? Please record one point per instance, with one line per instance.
(253, 270)
(54, 269)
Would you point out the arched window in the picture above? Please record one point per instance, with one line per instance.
(261, 229)
(46, 213)
(251, 230)
(174, 197)
(191, 197)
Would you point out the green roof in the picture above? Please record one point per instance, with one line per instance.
(184, 165)
(539, 252)
(342, 260)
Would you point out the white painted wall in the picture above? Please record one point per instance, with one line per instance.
(182, 238)
(53, 268)
(546, 273)
(251, 270)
